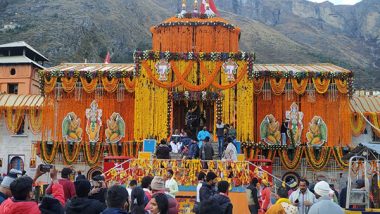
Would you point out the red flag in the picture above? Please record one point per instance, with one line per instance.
(108, 58)
(212, 6)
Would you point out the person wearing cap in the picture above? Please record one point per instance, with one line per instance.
(158, 186)
(292, 184)
(5, 190)
(81, 203)
(99, 189)
(302, 198)
(68, 185)
(324, 204)
(208, 188)
(282, 204)
(265, 194)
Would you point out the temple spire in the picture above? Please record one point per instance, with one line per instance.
(183, 7)
(195, 6)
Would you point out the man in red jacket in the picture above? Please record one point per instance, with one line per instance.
(68, 186)
(21, 202)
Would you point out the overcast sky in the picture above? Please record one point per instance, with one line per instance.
(339, 1)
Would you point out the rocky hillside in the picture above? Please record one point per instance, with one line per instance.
(286, 31)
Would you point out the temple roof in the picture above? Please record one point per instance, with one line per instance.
(365, 104)
(18, 60)
(20, 101)
(22, 44)
(313, 68)
(91, 67)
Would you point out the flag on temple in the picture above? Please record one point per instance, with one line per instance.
(212, 6)
(108, 58)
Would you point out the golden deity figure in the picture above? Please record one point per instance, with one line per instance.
(317, 133)
(94, 122)
(115, 128)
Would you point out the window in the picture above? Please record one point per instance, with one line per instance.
(12, 88)
(13, 71)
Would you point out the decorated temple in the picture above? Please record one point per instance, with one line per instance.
(295, 115)
(301, 119)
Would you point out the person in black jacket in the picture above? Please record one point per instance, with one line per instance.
(206, 152)
(253, 201)
(117, 200)
(222, 198)
(81, 203)
(208, 188)
(343, 197)
(99, 189)
(163, 150)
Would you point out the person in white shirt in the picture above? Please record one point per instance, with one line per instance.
(302, 198)
(230, 153)
(201, 179)
(171, 184)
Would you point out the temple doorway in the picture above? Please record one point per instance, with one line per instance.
(192, 116)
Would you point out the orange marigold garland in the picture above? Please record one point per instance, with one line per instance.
(92, 159)
(323, 160)
(337, 151)
(291, 164)
(13, 119)
(70, 158)
(49, 158)
(35, 120)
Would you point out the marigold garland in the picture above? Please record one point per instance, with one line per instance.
(13, 119)
(35, 120)
(299, 85)
(358, 124)
(321, 84)
(70, 158)
(68, 84)
(244, 110)
(323, 160)
(342, 85)
(291, 164)
(110, 85)
(89, 87)
(277, 85)
(337, 151)
(92, 160)
(49, 158)
(373, 118)
(49, 84)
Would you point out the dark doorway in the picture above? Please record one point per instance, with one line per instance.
(192, 116)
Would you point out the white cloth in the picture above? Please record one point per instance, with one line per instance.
(198, 189)
(307, 196)
(172, 185)
(230, 153)
(322, 188)
(176, 147)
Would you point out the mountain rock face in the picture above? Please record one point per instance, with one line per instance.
(285, 31)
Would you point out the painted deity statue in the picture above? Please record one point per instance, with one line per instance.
(115, 128)
(317, 134)
(295, 126)
(94, 122)
(270, 130)
(71, 130)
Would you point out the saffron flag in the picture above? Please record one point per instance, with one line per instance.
(212, 6)
(108, 58)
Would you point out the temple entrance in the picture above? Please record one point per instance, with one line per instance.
(192, 116)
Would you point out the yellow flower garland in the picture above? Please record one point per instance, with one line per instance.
(244, 109)
(49, 158)
(92, 160)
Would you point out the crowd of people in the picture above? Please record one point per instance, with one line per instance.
(157, 195)
(201, 148)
